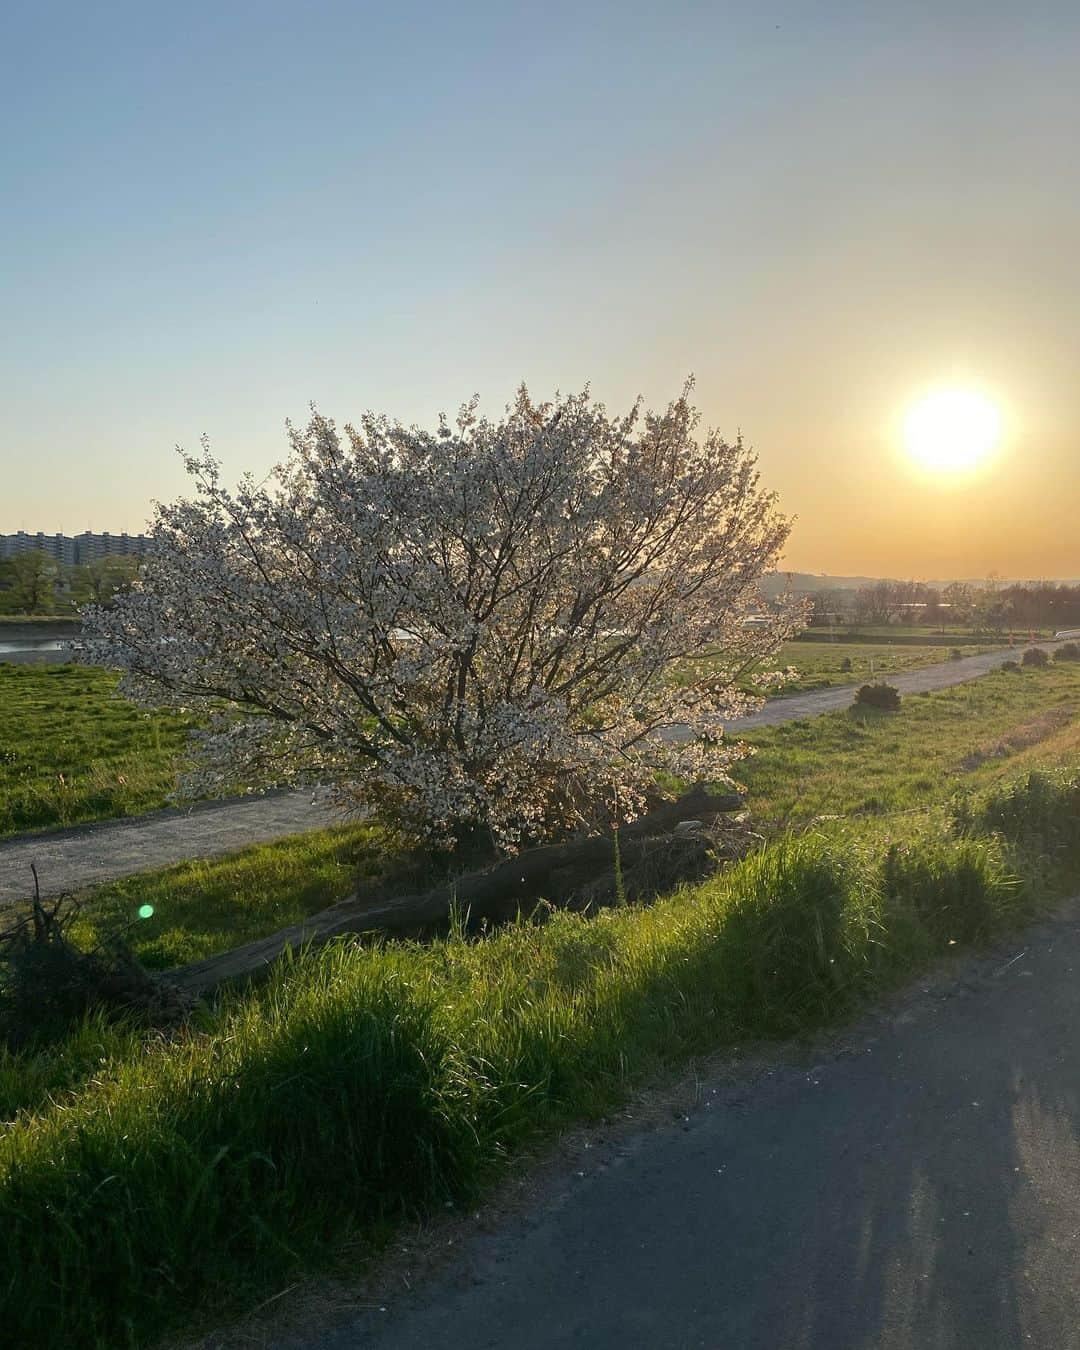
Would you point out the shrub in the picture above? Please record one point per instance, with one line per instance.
(1068, 651)
(883, 696)
(845, 664)
(956, 654)
(1035, 656)
(1010, 665)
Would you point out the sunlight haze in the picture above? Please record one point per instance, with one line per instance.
(823, 212)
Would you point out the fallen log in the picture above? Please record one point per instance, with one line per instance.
(555, 873)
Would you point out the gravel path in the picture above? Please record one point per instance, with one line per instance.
(85, 855)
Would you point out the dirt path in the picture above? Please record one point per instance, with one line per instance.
(86, 855)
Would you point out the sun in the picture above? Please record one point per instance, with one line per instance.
(952, 429)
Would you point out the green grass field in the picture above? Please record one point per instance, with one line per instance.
(72, 751)
(873, 763)
(822, 665)
(869, 764)
(204, 907)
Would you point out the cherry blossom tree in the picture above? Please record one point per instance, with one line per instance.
(494, 626)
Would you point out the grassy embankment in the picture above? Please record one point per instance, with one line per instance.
(141, 1177)
(844, 764)
(367, 1085)
(71, 751)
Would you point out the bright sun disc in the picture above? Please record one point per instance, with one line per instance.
(952, 429)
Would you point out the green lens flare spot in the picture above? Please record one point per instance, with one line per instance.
(146, 911)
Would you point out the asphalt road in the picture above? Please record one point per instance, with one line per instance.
(90, 854)
(918, 1189)
(941, 675)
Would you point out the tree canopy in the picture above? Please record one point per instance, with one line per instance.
(476, 625)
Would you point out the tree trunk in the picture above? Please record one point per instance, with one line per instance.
(574, 874)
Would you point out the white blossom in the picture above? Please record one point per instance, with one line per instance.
(476, 624)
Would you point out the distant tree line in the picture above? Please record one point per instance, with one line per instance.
(35, 583)
(988, 606)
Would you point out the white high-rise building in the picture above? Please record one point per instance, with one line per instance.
(83, 548)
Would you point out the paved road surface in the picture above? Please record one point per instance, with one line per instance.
(85, 855)
(920, 1190)
(942, 675)
(69, 859)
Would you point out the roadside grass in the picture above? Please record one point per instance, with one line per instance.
(874, 763)
(199, 908)
(72, 751)
(371, 1083)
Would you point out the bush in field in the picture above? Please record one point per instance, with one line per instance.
(845, 665)
(883, 696)
(473, 628)
(1035, 656)
(956, 654)
(1068, 651)
(1010, 665)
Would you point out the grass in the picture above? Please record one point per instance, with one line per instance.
(142, 1176)
(369, 1084)
(72, 751)
(952, 635)
(200, 908)
(821, 664)
(851, 763)
(877, 763)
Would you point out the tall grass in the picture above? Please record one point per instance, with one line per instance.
(873, 763)
(366, 1083)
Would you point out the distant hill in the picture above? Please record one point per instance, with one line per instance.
(802, 582)
(808, 582)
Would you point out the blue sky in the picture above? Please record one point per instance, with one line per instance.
(215, 215)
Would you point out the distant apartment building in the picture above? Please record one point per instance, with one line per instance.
(83, 548)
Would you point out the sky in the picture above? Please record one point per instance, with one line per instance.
(216, 215)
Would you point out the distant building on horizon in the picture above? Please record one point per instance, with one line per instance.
(73, 550)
